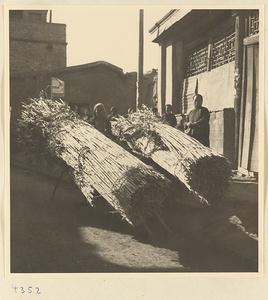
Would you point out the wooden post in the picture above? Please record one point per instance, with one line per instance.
(209, 62)
(178, 76)
(162, 80)
(242, 112)
(239, 36)
(140, 99)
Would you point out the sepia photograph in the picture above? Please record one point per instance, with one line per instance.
(135, 140)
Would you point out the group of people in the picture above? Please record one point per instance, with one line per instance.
(196, 124)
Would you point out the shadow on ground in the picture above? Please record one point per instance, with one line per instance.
(61, 236)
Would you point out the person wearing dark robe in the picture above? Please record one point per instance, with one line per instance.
(155, 113)
(168, 117)
(198, 123)
(100, 121)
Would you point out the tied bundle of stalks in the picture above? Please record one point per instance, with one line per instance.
(204, 172)
(138, 131)
(40, 119)
(132, 188)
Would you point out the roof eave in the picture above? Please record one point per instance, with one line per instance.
(166, 22)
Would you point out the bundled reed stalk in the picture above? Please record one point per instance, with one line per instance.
(204, 172)
(132, 188)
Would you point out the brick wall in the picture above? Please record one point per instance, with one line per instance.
(100, 83)
(222, 128)
(36, 46)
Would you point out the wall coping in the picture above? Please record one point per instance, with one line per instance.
(71, 69)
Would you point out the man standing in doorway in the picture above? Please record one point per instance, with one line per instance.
(198, 125)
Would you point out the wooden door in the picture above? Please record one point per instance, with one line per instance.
(249, 121)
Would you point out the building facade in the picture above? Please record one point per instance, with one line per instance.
(38, 52)
(35, 45)
(85, 86)
(213, 53)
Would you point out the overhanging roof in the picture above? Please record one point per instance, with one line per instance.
(168, 20)
(185, 22)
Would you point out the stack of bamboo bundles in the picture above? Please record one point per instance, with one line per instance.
(133, 189)
(204, 172)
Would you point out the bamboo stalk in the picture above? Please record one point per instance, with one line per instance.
(160, 219)
(57, 184)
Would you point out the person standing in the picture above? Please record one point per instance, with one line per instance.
(100, 121)
(198, 123)
(85, 115)
(168, 117)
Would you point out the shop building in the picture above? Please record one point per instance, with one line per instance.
(214, 53)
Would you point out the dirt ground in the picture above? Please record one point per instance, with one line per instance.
(63, 236)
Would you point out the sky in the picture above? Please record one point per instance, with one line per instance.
(109, 33)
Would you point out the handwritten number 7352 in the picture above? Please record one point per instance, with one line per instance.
(29, 290)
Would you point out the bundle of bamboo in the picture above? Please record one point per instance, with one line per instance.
(132, 188)
(204, 172)
(138, 131)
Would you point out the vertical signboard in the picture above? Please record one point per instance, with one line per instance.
(57, 87)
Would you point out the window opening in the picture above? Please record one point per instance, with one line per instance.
(223, 49)
(253, 23)
(197, 59)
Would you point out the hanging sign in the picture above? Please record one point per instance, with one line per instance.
(57, 87)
